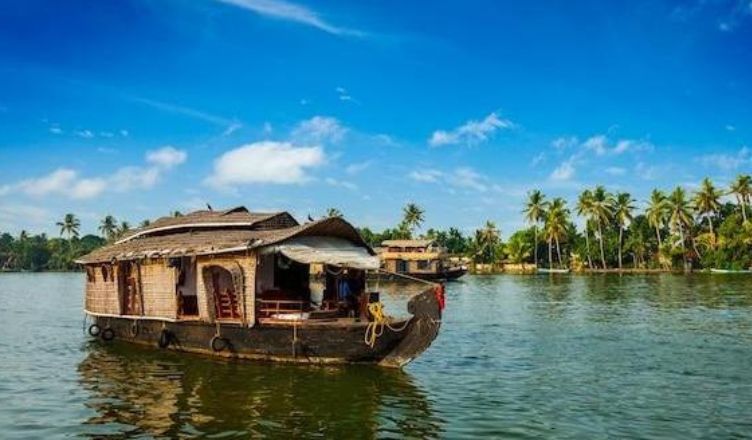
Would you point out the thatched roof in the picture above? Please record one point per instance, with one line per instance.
(238, 217)
(407, 243)
(217, 239)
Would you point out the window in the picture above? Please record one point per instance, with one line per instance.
(424, 264)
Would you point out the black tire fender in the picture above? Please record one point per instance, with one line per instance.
(108, 334)
(95, 330)
(218, 344)
(165, 338)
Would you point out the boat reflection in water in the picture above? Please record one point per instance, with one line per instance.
(139, 392)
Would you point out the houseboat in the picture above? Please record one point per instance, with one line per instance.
(422, 259)
(237, 284)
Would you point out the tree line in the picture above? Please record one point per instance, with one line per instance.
(675, 230)
(27, 252)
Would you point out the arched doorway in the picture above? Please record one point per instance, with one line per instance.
(224, 292)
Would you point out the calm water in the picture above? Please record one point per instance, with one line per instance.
(518, 357)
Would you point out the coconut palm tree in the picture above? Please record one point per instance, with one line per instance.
(556, 226)
(123, 228)
(656, 213)
(333, 212)
(741, 188)
(412, 217)
(707, 203)
(584, 209)
(108, 226)
(623, 207)
(602, 212)
(680, 215)
(69, 225)
(487, 240)
(535, 209)
(517, 249)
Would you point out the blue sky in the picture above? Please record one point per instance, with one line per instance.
(136, 108)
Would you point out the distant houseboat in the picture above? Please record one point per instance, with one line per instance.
(237, 284)
(422, 259)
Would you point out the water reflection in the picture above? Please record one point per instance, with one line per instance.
(140, 392)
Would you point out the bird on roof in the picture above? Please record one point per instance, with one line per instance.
(310, 219)
(209, 206)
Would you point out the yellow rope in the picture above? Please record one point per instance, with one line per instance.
(375, 328)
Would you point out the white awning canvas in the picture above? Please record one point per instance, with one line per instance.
(326, 250)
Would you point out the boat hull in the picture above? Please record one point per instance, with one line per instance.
(318, 343)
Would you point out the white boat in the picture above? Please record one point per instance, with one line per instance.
(549, 270)
(724, 271)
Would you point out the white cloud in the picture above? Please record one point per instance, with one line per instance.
(343, 95)
(597, 144)
(55, 129)
(565, 171)
(124, 133)
(730, 127)
(66, 182)
(357, 168)
(428, 176)
(284, 10)
(467, 178)
(563, 143)
(537, 159)
(615, 171)
(106, 134)
(334, 182)
(461, 177)
(319, 129)
(265, 162)
(166, 157)
(470, 133)
(727, 162)
(232, 128)
(86, 134)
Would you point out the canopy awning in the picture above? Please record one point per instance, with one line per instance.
(326, 250)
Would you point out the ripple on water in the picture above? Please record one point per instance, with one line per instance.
(518, 357)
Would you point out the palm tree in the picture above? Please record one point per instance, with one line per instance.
(69, 225)
(487, 240)
(123, 228)
(602, 212)
(144, 223)
(556, 226)
(656, 213)
(623, 207)
(108, 227)
(534, 213)
(680, 215)
(413, 217)
(333, 212)
(584, 209)
(176, 214)
(741, 188)
(517, 249)
(707, 203)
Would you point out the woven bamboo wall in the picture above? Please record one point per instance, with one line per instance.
(101, 295)
(158, 286)
(247, 265)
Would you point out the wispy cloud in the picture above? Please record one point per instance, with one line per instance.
(727, 161)
(470, 133)
(66, 182)
(460, 177)
(297, 13)
(565, 171)
(319, 129)
(187, 111)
